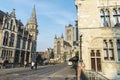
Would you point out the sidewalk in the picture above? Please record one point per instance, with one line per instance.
(18, 69)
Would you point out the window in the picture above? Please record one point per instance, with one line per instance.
(28, 47)
(118, 54)
(111, 55)
(11, 24)
(118, 49)
(116, 16)
(11, 40)
(111, 44)
(18, 42)
(6, 37)
(97, 53)
(6, 24)
(96, 60)
(118, 43)
(106, 54)
(105, 43)
(24, 44)
(14, 28)
(105, 18)
(108, 50)
(92, 53)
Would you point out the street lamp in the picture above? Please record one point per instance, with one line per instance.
(80, 52)
(81, 65)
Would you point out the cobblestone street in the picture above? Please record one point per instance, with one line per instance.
(49, 72)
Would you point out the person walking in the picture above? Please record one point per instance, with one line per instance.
(80, 69)
(3, 64)
(25, 64)
(32, 65)
(36, 65)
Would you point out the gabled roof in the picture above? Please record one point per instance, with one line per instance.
(1, 14)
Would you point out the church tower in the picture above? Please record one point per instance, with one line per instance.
(32, 28)
(69, 34)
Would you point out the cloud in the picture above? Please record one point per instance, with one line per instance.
(55, 13)
(52, 16)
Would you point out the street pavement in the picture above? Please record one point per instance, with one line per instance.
(48, 72)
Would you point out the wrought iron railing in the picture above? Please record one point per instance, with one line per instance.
(92, 75)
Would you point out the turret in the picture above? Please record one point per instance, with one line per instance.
(12, 14)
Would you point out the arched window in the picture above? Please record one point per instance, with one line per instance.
(111, 43)
(14, 28)
(11, 40)
(5, 24)
(92, 53)
(6, 37)
(11, 24)
(18, 41)
(24, 44)
(105, 43)
(97, 53)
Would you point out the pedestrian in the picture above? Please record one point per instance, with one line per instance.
(25, 64)
(36, 65)
(32, 65)
(3, 64)
(81, 68)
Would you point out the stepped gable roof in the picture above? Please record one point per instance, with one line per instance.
(2, 14)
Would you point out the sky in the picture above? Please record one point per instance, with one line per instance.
(52, 17)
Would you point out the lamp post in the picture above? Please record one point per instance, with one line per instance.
(80, 52)
(80, 67)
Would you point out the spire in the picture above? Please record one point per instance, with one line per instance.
(62, 36)
(12, 13)
(33, 18)
(55, 37)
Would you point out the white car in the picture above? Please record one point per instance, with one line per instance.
(69, 63)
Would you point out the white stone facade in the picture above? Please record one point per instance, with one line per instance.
(98, 23)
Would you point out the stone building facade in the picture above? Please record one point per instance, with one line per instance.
(63, 48)
(99, 25)
(17, 42)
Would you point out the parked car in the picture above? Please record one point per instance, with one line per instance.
(69, 63)
(45, 62)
